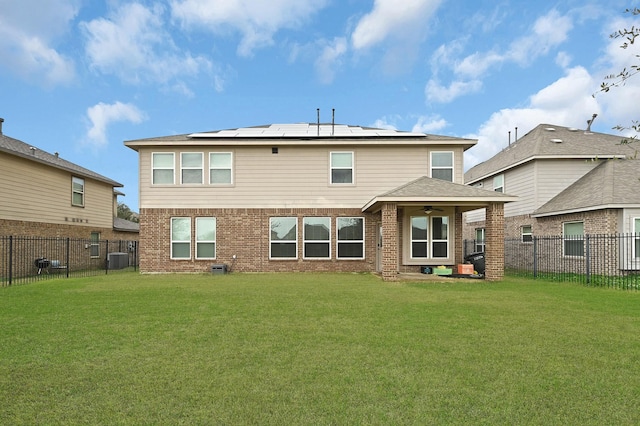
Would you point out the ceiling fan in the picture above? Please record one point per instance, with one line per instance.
(431, 209)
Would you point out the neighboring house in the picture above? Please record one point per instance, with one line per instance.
(308, 197)
(44, 195)
(569, 183)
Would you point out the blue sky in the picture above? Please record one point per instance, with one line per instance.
(81, 76)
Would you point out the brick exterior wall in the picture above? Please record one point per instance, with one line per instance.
(390, 241)
(40, 229)
(494, 252)
(245, 234)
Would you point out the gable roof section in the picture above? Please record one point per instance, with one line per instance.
(426, 190)
(612, 184)
(302, 134)
(20, 149)
(124, 225)
(548, 141)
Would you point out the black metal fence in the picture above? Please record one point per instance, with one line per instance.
(611, 260)
(28, 259)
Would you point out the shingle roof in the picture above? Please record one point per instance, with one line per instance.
(297, 133)
(612, 184)
(551, 141)
(18, 148)
(429, 190)
(120, 224)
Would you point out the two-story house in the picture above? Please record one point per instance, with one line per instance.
(44, 195)
(569, 183)
(308, 197)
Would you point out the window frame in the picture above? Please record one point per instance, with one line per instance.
(635, 221)
(572, 239)
(433, 167)
(310, 241)
(230, 168)
(526, 237)
(94, 246)
(447, 239)
(282, 241)
(498, 179)
(184, 168)
(344, 241)
(413, 240)
(332, 168)
(480, 242)
(172, 168)
(182, 241)
(81, 192)
(199, 241)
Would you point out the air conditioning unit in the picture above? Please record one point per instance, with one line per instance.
(118, 260)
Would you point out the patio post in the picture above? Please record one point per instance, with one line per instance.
(494, 248)
(390, 242)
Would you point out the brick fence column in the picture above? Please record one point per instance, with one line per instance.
(459, 241)
(390, 242)
(494, 248)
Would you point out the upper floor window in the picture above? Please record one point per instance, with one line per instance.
(442, 165)
(317, 237)
(341, 167)
(350, 237)
(283, 241)
(205, 238)
(220, 168)
(526, 233)
(77, 192)
(162, 165)
(573, 238)
(498, 183)
(180, 238)
(191, 167)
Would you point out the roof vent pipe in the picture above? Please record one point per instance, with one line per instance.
(509, 137)
(1, 121)
(333, 120)
(318, 111)
(590, 122)
(516, 139)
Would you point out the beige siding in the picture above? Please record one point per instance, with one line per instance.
(554, 176)
(521, 182)
(37, 193)
(294, 177)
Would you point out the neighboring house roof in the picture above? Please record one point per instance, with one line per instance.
(301, 133)
(430, 190)
(124, 225)
(18, 148)
(548, 141)
(612, 184)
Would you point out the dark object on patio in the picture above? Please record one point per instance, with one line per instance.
(41, 263)
(477, 259)
(57, 266)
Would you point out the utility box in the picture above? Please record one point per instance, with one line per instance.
(118, 260)
(219, 269)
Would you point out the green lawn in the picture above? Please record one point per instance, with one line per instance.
(306, 349)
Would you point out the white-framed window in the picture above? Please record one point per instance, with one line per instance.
(498, 183)
(480, 240)
(191, 167)
(526, 233)
(419, 237)
(162, 165)
(205, 238)
(283, 239)
(636, 237)
(341, 167)
(573, 238)
(94, 247)
(316, 236)
(439, 236)
(77, 191)
(180, 238)
(442, 165)
(350, 242)
(220, 168)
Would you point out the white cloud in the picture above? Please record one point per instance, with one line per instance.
(134, 45)
(330, 59)
(435, 92)
(102, 115)
(390, 18)
(29, 30)
(430, 124)
(565, 102)
(257, 21)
